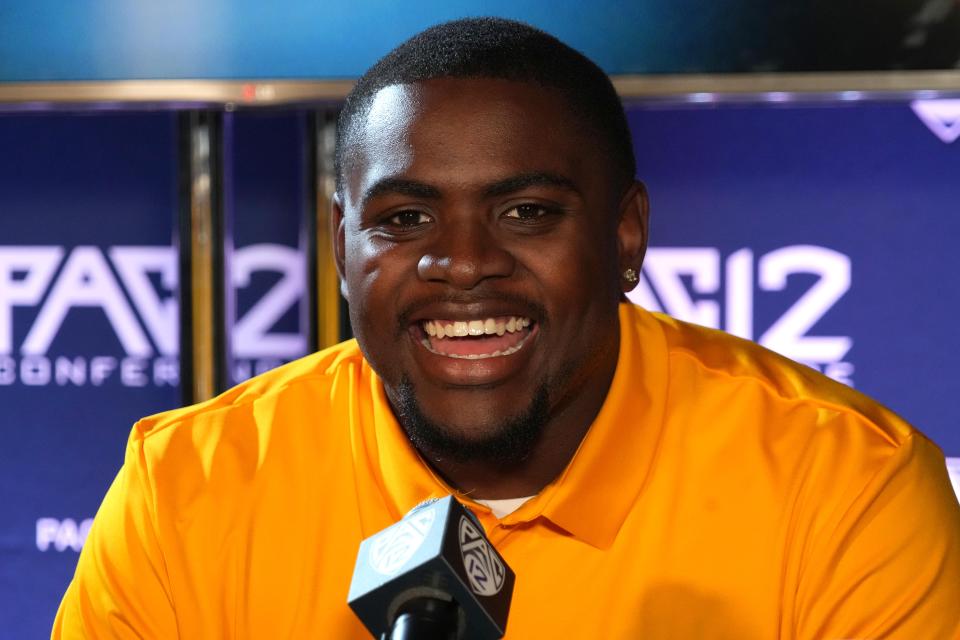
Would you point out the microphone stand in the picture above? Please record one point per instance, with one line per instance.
(425, 618)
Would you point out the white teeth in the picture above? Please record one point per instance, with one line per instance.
(478, 356)
(463, 328)
(481, 356)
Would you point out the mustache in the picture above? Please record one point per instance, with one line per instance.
(530, 308)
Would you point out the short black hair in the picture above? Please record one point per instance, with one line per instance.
(501, 49)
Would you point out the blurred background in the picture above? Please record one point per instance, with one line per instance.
(165, 170)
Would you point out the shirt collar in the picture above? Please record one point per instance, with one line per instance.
(613, 461)
(593, 496)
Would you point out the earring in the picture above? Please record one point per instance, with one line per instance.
(631, 276)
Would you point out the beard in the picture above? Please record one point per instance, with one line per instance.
(506, 445)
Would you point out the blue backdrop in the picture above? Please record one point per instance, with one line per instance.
(88, 331)
(268, 187)
(868, 188)
(249, 39)
(114, 39)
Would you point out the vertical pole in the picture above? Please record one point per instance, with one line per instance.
(330, 327)
(201, 249)
(309, 310)
(224, 301)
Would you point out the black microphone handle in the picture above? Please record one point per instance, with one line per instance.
(425, 618)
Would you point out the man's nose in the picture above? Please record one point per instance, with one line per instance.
(464, 255)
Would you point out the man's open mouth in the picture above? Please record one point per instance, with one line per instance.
(476, 339)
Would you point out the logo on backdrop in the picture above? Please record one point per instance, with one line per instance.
(942, 117)
(61, 535)
(135, 289)
(953, 468)
(686, 282)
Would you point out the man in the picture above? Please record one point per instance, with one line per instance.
(645, 478)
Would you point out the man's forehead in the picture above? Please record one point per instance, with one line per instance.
(396, 106)
(483, 121)
(390, 109)
(379, 138)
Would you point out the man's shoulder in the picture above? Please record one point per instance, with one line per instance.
(731, 402)
(722, 361)
(313, 375)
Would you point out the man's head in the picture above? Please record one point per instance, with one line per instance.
(502, 49)
(485, 186)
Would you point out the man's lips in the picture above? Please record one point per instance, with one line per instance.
(476, 339)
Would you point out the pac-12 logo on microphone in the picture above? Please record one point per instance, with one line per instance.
(484, 568)
(394, 547)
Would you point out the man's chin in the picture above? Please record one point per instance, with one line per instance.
(505, 442)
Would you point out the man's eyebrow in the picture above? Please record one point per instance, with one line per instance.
(416, 189)
(400, 186)
(524, 180)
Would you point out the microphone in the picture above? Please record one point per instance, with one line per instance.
(433, 575)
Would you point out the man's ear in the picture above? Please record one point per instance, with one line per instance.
(338, 234)
(632, 232)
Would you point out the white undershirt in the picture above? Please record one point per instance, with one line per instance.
(505, 506)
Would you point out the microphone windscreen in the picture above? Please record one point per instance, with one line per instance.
(438, 550)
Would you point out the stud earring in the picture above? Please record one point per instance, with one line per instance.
(631, 276)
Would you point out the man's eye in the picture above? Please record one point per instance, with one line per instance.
(408, 219)
(527, 212)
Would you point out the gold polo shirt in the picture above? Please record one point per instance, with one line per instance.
(722, 492)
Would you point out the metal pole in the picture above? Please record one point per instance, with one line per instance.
(330, 324)
(201, 249)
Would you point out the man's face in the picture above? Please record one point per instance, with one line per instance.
(481, 208)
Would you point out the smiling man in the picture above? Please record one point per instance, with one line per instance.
(645, 478)
(482, 250)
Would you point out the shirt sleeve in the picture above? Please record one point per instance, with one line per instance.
(120, 588)
(889, 565)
